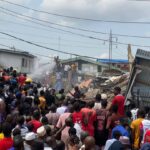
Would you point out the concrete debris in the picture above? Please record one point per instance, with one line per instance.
(104, 85)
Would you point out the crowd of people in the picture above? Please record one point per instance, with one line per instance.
(36, 118)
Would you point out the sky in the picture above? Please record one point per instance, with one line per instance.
(119, 10)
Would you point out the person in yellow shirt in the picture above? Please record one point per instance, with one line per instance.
(42, 100)
(135, 127)
(1, 136)
(1, 133)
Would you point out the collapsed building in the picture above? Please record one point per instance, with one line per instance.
(105, 85)
(138, 89)
(135, 85)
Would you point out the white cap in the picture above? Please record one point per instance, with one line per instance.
(104, 96)
(1, 100)
(30, 136)
(41, 131)
(124, 140)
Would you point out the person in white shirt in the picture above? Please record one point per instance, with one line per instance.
(29, 140)
(63, 108)
(134, 111)
(144, 127)
(116, 136)
(59, 83)
(66, 69)
(97, 104)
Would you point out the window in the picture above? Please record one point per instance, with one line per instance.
(79, 66)
(24, 62)
(89, 68)
(99, 69)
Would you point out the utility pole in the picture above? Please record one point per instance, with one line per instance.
(111, 43)
(110, 49)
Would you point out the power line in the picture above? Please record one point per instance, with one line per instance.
(91, 37)
(23, 51)
(67, 31)
(51, 38)
(104, 33)
(82, 35)
(44, 47)
(78, 34)
(30, 26)
(77, 18)
(28, 34)
(133, 36)
(51, 43)
(140, 0)
(35, 27)
(5, 45)
(66, 26)
(118, 52)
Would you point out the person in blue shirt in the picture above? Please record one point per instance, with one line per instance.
(121, 127)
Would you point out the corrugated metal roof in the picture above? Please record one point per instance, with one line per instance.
(113, 61)
(24, 53)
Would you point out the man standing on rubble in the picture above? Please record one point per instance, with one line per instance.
(119, 100)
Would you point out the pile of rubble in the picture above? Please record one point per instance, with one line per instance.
(104, 85)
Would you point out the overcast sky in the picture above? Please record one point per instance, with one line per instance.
(120, 10)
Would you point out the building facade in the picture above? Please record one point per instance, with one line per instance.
(86, 66)
(19, 60)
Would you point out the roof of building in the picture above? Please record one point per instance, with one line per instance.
(116, 61)
(16, 52)
(83, 59)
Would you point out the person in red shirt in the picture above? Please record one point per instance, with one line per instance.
(22, 79)
(119, 100)
(147, 137)
(35, 122)
(6, 77)
(7, 142)
(88, 118)
(113, 118)
(77, 114)
(101, 134)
